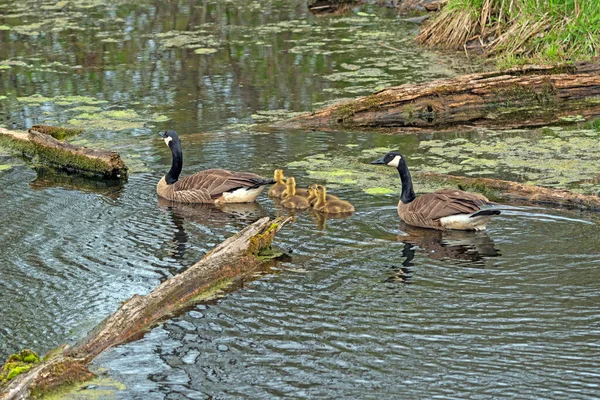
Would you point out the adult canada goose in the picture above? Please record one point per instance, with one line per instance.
(279, 187)
(209, 186)
(444, 209)
(312, 195)
(331, 206)
(291, 199)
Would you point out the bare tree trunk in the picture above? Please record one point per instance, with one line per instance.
(520, 97)
(234, 259)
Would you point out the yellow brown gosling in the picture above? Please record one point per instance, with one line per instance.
(279, 187)
(331, 206)
(291, 199)
(312, 195)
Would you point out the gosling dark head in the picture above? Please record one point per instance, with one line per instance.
(392, 159)
(169, 137)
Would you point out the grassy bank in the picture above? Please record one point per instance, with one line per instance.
(519, 31)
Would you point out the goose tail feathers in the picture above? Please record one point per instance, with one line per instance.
(485, 212)
(258, 182)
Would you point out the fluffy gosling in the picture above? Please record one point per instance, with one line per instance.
(291, 199)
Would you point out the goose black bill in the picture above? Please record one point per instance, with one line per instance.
(379, 161)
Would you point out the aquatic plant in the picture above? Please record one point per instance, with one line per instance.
(519, 31)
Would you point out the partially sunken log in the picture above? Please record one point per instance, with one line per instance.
(54, 153)
(331, 7)
(496, 189)
(527, 96)
(233, 260)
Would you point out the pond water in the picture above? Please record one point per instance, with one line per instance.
(359, 310)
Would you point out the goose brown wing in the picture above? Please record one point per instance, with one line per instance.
(444, 203)
(214, 182)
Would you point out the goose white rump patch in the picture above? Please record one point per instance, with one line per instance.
(242, 195)
(464, 222)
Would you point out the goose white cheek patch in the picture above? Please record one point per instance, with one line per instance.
(168, 139)
(395, 162)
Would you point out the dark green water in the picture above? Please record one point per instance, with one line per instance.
(359, 311)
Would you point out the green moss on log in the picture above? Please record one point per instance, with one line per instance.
(263, 241)
(344, 112)
(17, 364)
(56, 132)
(18, 144)
(61, 159)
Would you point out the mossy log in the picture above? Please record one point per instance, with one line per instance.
(54, 153)
(233, 260)
(496, 189)
(527, 96)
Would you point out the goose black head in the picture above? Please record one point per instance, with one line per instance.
(170, 137)
(392, 159)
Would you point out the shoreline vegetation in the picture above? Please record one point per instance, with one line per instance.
(516, 32)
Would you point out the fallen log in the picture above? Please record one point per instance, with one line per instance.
(235, 259)
(527, 96)
(46, 150)
(496, 189)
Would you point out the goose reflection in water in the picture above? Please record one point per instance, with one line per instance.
(470, 246)
(453, 244)
(209, 216)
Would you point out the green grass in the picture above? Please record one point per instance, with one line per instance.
(519, 31)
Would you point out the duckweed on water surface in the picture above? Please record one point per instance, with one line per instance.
(556, 157)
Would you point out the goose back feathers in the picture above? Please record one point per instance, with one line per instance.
(443, 210)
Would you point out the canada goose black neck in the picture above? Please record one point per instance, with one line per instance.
(176, 161)
(408, 193)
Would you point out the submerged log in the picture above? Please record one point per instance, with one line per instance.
(527, 96)
(496, 189)
(60, 155)
(233, 260)
(330, 7)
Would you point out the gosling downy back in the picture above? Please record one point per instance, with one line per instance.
(331, 206)
(291, 199)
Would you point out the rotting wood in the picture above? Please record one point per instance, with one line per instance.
(528, 96)
(236, 258)
(496, 189)
(60, 155)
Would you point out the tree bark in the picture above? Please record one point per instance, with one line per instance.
(64, 156)
(527, 96)
(229, 262)
(497, 189)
